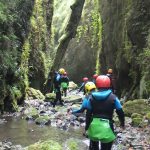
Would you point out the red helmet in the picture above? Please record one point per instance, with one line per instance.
(102, 81)
(85, 79)
(95, 76)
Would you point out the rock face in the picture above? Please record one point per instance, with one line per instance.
(81, 55)
(79, 61)
(126, 27)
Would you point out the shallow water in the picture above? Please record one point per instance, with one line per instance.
(20, 131)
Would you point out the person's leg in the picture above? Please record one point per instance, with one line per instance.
(106, 146)
(94, 145)
(2, 109)
(59, 96)
(65, 92)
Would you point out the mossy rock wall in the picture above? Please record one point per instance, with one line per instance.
(25, 33)
(125, 43)
(14, 28)
(81, 57)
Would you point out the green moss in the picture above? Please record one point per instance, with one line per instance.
(73, 145)
(34, 94)
(42, 120)
(136, 106)
(136, 115)
(148, 116)
(50, 97)
(136, 121)
(32, 112)
(25, 62)
(47, 145)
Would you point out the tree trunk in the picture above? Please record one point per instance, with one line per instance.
(70, 32)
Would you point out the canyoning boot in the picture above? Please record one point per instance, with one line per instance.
(61, 103)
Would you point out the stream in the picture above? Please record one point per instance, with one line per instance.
(22, 132)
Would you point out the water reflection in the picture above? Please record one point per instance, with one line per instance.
(20, 131)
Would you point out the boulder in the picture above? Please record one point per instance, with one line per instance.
(148, 116)
(32, 93)
(136, 121)
(31, 113)
(72, 98)
(139, 106)
(43, 120)
(50, 97)
(136, 115)
(72, 85)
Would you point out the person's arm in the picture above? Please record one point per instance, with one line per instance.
(88, 119)
(120, 112)
(89, 114)
(82, 108)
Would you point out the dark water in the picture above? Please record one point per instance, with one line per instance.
(20, 131)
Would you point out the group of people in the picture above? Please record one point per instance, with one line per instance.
(99, 103)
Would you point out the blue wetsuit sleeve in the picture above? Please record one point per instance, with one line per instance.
(82, 108)
(117, 104)
(58, 77)
(120, 112)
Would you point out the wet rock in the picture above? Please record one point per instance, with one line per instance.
(42, 112)
(72, 85)
(31, 113)
(72, 99)
(2, 121)
(81, 119)
(72, 123)
(43, 120)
